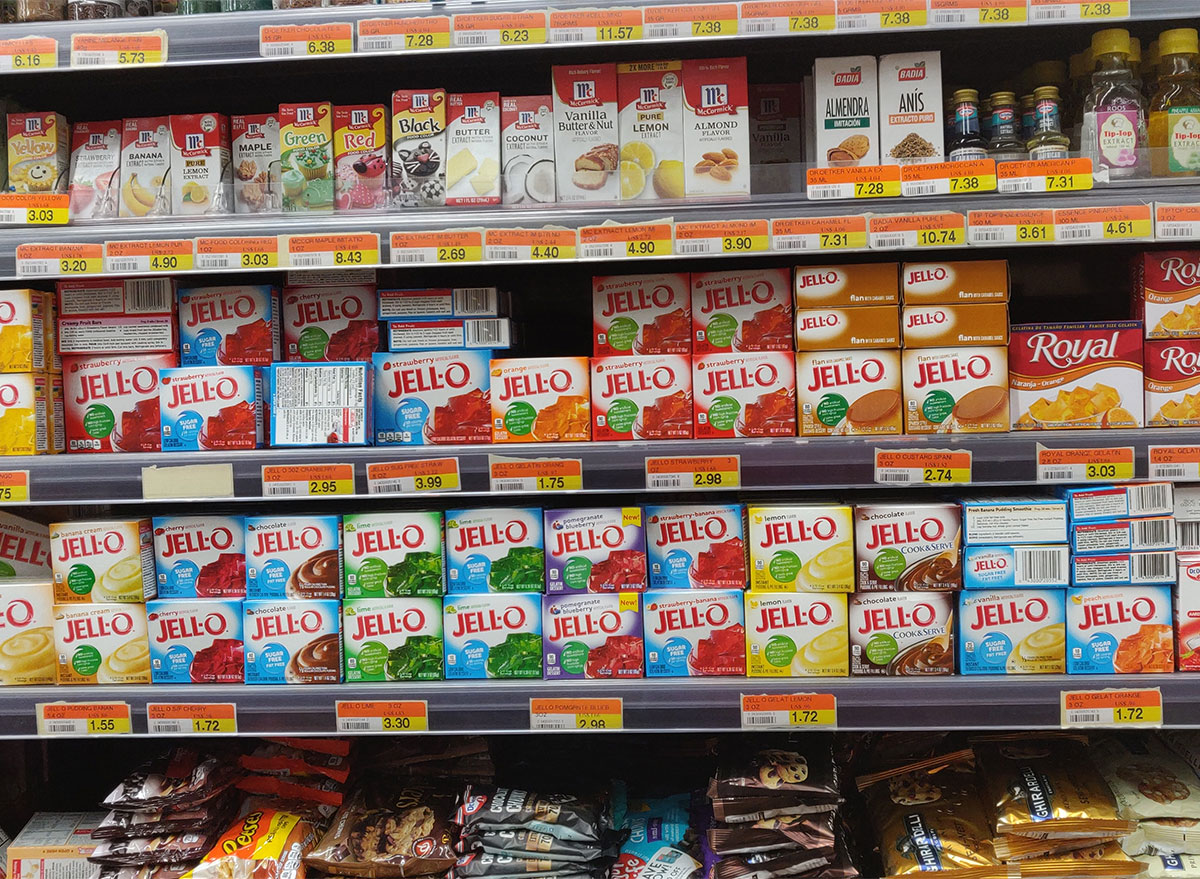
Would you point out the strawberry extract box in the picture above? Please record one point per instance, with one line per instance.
(200, 556)
(209, 408)
(744, 395)
(1172, 382)
(642, 397)
(595, 550)
(694, 632)
(741, 311)
(111, 403)
(598, 637)
(229, 326)
(540, 400)
(691, 547)
(330, 324)
(641, 314)
(1166, 294)
(433, 397)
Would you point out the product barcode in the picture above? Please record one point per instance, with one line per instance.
(373, 44)
(152, 296)
(471, 39)
(1189, 535)
(570, 37)
(819, 192)
(1040, 566)
(600, 251)
(668, 480)
(796, 243)
(277, 51)
(213, 261)
(765, 719)
(503, 253)
(545, 722)
(508, 485)
(921, 189)
(1083, 716)
(1165, 231)
(1152, 566)
(407, 256)
(387, 486)
(849, 24)
(1169, 471)
(12, 216)
(888, 241)
(987, 234)
(485, 332)
(87, 59)
(683, 247)
(1152, 532)
(758, 27)
(658, 31)
(1069, 234)
(34, 268)
(1152, 498)
(474, 300)
(346, 725)
(1056, 475)
(169, 727)
(122, 265)
(1019, 184)
(60, 726)
(949, 17)
(894, 477)
(299, 260)
(1049, 13)
(276, 489)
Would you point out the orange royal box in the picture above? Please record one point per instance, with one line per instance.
(1172, 381)
(540, 400)
(844, 286)
(1166, 294)
(642, 397)
(945, 283)
(941, 326)
(832, 329)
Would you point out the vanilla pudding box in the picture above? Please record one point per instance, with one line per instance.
(586, 137)
(492, 636)
(650, 116)
(101, 644)
(641, 314)
(229, 326)
(1120, 630)
(26, 632)
(902, 634)
(200, 556)
(741, 311)
(908, 547)
(495, 550)
(956, 390)
(294, 557)
(690, 547)
(597, 637)
(1012, 631)
(849, 393)
(432, 397)
(393, 553)
(844, 286)
(292, 642)
(1016, 567)
(473, 145)
(24, 548)
(595, 550)
(195, 641)
(107, 561)
(95, 180)
(796, 635)
(209, 408)
(801, 548)
(695, 633)
(645, 398)
(392, 639)
(716, 127)
(748, 394)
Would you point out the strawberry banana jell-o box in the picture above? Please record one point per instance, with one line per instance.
(641, 314)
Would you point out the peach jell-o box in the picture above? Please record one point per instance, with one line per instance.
(1166, 294)
(641, 314)
(540, 400)
(39, 152)
(360, 157)
(1172, 380)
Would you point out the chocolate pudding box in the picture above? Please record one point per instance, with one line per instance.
(229, 326)
(1012, 631)
(641, 314)
(744, 395)
(902, 633)
(330, 323)
(956, 390)
(641, 397)
(292, 642)
(694, 632)
(26, 633)
(1119, 630)
(111, 402)
(1016, 567)
(595, 550)
(389, 554)
(99, 562)
(691, 547)
(360, 157)
(392, 639)
(796, 635)
(495, 550)
(200, 556)
(542, 399)
(908, 547)
(741, 311)
(842, 286)
(102, 644)
(843, 393)
(598, 637)
(209, 408)
(293, 557)
(24, 548)
(492, 636)
(195, 642)
(801, 548)
(433, 397)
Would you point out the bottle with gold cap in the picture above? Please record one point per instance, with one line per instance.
(1047, 140)
(1135, 63)
(966, 143)
(1028, 116)
(1175, 108)
(1005, 143)
(1114, 112)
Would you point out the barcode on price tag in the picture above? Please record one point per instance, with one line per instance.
(948, 178)
(1044, 175)
(1010, 227)
(1084, 465)
(403, 34)
(343, 250)
(922, 467)
(819, 233)
(591, 715)
(305, 40)
(178, 719)
(14, 487)
(49, 260)
(1177, 222)
(534, 474)
(125, 257)
(412, 477)
(595, 25)
(34, 209)
(500, 29)
(1107, 223)
(875, 181)
(431, 248)
(787, 16)
(1176, 463)
(917, 230)
(237, 253)
(618, 241)
(307, 480)
(1059, 11)
(691, 20)
(529, 244)
(858, 15)
(83, 719)
(29, 53)
(703, 472)
(1124, 709)
(721, 237)
(119, 50)
(958, 12)
(789, 711)
(382, 717)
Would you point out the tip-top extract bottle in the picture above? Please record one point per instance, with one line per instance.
(1114, 111)
(966, 143)
(1047, 140)
(1175, 108)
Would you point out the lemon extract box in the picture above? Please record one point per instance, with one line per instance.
(801, 548)
(650, 118)
(202, 173)
(473, 145)
(1012, 631)
(103, 561)
(796, 635)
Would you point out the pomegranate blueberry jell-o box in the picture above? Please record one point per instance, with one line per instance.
(598, 637)
(955, 390)
(1120, 630)
(832, 329)
(741, 311)
(229, 326)
(329, 323)
(694, 633)
(492, 636)
(392, 639)
(641, 314)
(801, 548)
(908, 547)
(540, 400)
(433, 397)
(294, 557)
(595, 550)
(1012, 631)
(104, 561)
(948, 283)
(796, 635)
(495, 550)
(393, 553)
(209, 408)
(744, 394)
(200, 556)
(195, 642)
(102, 644)
(26, 633)
(111, 402)
(641, 397)
(1166, 293)
(690, 547)
(849, 392)
(292, 642)
(845, 286)
(24, 548)
(902, 633)
(1172, 381)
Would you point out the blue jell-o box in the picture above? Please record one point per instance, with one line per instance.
(492, 636)
(495, 550)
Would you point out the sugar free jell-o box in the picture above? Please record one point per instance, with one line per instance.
(229, 326)
(843, 286)
(200, 556)
(745, 395)
(492, 636)
(691, 547)
(195, 642)
(95, 169)
(650, 110)
(595, 550)
(849, 392)
(796, 635)
(433, 397)
(295, 557)
(955, 390)
(801, 549)
(360, 157)
(495, 550)
(102, 561)
(1012, 631)
(908, 547)
(694, 632)
(393, 553)
(306, 156)
(330, 324)
(641, 314)
(392, 639)
(598, 637)
(39, 152)
(1120, 630)
(112, 402)
(292, 642)
(716, 127)
(642, 397)
(102, 644)
(540, 400)
(26, 633)
(1172, 381)
(741, 311)
(1166, 293)
(209, 408)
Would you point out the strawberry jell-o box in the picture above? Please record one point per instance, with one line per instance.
(641, 314)
(690, 547)
(741, 311)
(330, 324)
(433, 397)
(111, 403)
(1172, 382)
(105, 561)
(595, 550)
(597, 637)
(642, 397)
(1166, 294)
(200, 556)
(195, 642)
(694, 633)
(540, 400)
(1077, 375)
(294, 557)
(209, 408)
(744, 395)
(229, 326)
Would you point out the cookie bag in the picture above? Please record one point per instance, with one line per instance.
(261, 844)
(276, 759)
(196, 819)
(481, 865)
(532, 844)
(1147, 779)
(304, 789)
(183, 776)
(154, 871)
(797, 764)
(182, 848)
(1170, 866)
(485, 807)
(1104, 859)
(808, 832)
(656, 828)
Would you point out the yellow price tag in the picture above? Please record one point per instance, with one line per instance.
(118, 50)
(354, 258)
(392, 717)
(399, 477)
(1116, 229)
(714, 28)
(1035, 233)
(299, 40)
(799, 24)
(198, 719)
(395, 34)
(175, 255)
(107, 726)
(14, 486)
(641, 248)
(1109, 708)
(872, 189)
(1084, 465)
(534, 474)
(620, 33)
(457, 254)
(939, 237)
(50, 215)
(694, 472)
(580, 714)
(500, 29)
(311, 480)
(29, 53)
(81, 266)
(789, 711)
(1067, 182)
(927, 466)
(1103, 10)
(902, 19)
(83, 719)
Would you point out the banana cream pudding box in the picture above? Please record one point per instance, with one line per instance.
(24, 548)
(100, 562)
(1172, 381)
(650, 118)
(1166, 294)
(950, 283)
(586, 136)
(849, 393)
(647, 398)
(741, 311)
(1012, 631)
(201, 171)
(945, 326)
(102, 644)
(95, 169)
(146, 167)
(834, 329)
(801, 548)
(26, 632)
(641, 314)
(956, 390)
(527, 149)
(473, 147)
(846, 111)
(796, 635)
(902, 633)
(844, 286)
(716, 127)
(908, 547)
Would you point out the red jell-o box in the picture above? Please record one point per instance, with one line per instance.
(641, 397)
(741, 311)
(641, 314)
(330, 324)
(744, 395)
(112, 402)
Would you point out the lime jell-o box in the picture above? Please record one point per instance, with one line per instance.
(392, 639)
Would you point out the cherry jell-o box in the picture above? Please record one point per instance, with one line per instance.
(641, 314)
(330, 324)
(642, 397)
(112, 402)
(716, 127)
(955, 390)
(95, 169)
(1166, 294)
(849, 392)
(540, 400)
(229, 326)
(744, 395)
(1172, 380)
(741, 311)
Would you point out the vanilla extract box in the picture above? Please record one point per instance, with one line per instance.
(650, 119)
(776, 146)
(473, 147)
(586, 133)
(1172, 382)
(716, 128)
(849, 393)
(796, 635)
(641, 397)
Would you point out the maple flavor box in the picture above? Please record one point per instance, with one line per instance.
(390, 554)
(641, 314)
(694, 633)
(1120, 630)
(595, 550)
(229, 326)
(796, 635)
(432, 398)
(330, 323)
(539, 400)
(209, 408)
(492, 636)
(801, 548)
(495, 550)
(195, 641)
(597, 637)
(690, 547)
(744, 395)
(1012, 631)
(392, 639)
(646, 398)
(741, 311)
(200, 556)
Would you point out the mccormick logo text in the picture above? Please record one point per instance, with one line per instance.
(583, 93)
(526, 119)
(369, 542)
(514, 532)
(80, 546)
(529, 384)
(677, 619)
(791, 531)
(475, 622)
(714, 99)
(374, 625)
(581, 625)
(1009, 613)
(786, 616)
(196, 541)
(143, 380)
(254, 131)
(1116, 611)
(1062, 352)
(191, 626)
(280, 625)
(736, 378)
(145, 138)
(832, 375)
(88, 628)
(428, 378)
(199, 389)
(690, 530)
(206, 311)
(282, 540)
(907, 531)
(890, 619)
(648, 99)
(472, 115)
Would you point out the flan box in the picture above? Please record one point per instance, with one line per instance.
(838, 329)
(598, 637)
(432, 397)
(954, 283)
(318, 404)
(846, 286)
(641, 314)
(849, 392)
(233, 326)
(956, 390)
(54, 845)
(26, 331)
(442, 302)
(113, 316)
(1016, 567)
(1119, 501)
(1015, 520)
(451, 334)
(1166, 293)
(944, 326)
(1123, 535)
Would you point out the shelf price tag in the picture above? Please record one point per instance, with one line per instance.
(404, 34)
(83, 719)
(237, 253)
(703, 472)
(34, 209)
(948, 178)
(179, 719)
(1084, 465)
(388, 717)
(29, 53)
(881, 14)
(305, 40)
(413, 477)
(44, 260)
(526, 245)
(580, 714)
(819, 233)
(595, 25)
(1176, 222)
(446, 246)
(1124, 709)
(626, 241)
(124, 257)
(691, 20)
(1179, 463)
(500, 29)
(872, 181)
(1044, 175)
(1106, 223)
(349, 250)
(789, 711)
(788, 16)
(721, 237)
(1010, 227)
(307, 480)
(14, 486)
(922, 467)
(917, 230)
(534, 474)
(119, 50)
(955, 12)
(1059, 11)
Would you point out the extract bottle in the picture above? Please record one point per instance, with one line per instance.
(1175, 108)
(966, 143)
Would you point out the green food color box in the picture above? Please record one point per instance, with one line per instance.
(392, 639)
(393, 554)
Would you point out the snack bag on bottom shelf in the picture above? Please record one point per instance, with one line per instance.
(473, 147)
(146, 167)
(598, 637)
(1147, 778)
(360, 157)
(495, 550)
(690, 547)
(306, 156)
(433, 397)
(1187, 611)
(418, 175)
(792, 635)
(26, 632)
(256, 187)
(263, 843)
(213, 408)
(694, 633)
(645, 398)
(493, 636)
(112, 402)
(744, 395)
(330, 324)
(99, 562)
(392, 554)
(1166, 293)
(908, 547)
(24, 414)
(201, 175)
(1119, 630)
(24, 548)
(26, 325)
(716, 128)
(650, 118)
(527, 149)
(849, 393)
(392, 639)
(292, 642)
(229, 326)
(1012, 631)
(902, 633)
(102, 644)
(39, 152)
(641, 314)
(195, 642)
(1172, 381)
(586, 134)
(95, 179)
(540, 400)
(741, 311)
(595, 550)
(801, 548)
(956, 390)
(294, 557)
(200, 556)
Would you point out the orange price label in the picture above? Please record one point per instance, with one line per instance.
(119, 50)
(1084, 465)
(819, 233)
(346, 250)
(403, 34)
(702, 472)
(1177, 463)
(411, 477)
(307, 480)
(50, 260)
(788, 16)
(1044, 175)
(1112, 708)
(948, 178)
(529, 244)
(870, 181)
(1104, 223)
(591, 715)
(445, 246)
(789, 710)
(922, 467)
(237, 253)
(717, 237)
(14, 486)
(881, 14)
(83, 719)
(499, 29)
(124, 257)
(305, 40)
(173, 719)
(595, 25)
(947, 229)
(29, 53)
(957, 12)
(383, 716)
(1177, 222)
(626, 241)
(534, 474)
(691, 20)
(1010, 227)
(34, 209)
(1059, 11)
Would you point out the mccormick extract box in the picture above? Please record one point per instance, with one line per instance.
(1187, 612)
(597, 637)
(95, 181)
(209, 408)
(433, 397)
(201, 174)
(954, 283)
(26, 326)
(1016, 567)
(495, 550)
(101, 644)
(1172, 382)
(473, 145)
(306, 156)
(229, 326)
(25, 427)
(329, 323)
(419, 147)
(1166, 293)
(389, 554)
(744, 395)
(1078, 375)
(845, 111)
(849, 393)
(587, 155)
(492, 636)
(650, 119)
(595, 550)
(690, 547)
(796, 635)
(26, 633)
(527, 150)
(716, 127)
(801, 549)
(145, 167)
(694, 633)
(776, 146)
(955, 390)
(908, 547)
(845, 286)
(318, 404)
(902, 633)
(195, 642)
(107, 561)
(360, 157)
(111, 403)
(255, 158)
(1012, 631)
(1119, 630)
(200, 556)
(292, 642)
(293, 557)
(24, 548)
(39, 152)
(911, 128)
(538, 400)
(741, 311)
(645, 398)
(641, 314)
(392, 639)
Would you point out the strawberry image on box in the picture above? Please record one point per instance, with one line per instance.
(111, 403)
(641, 397)
(330, 324)
(595, 550)
(744, 394)
(741, 311)
(641, 314)
(209, 408)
